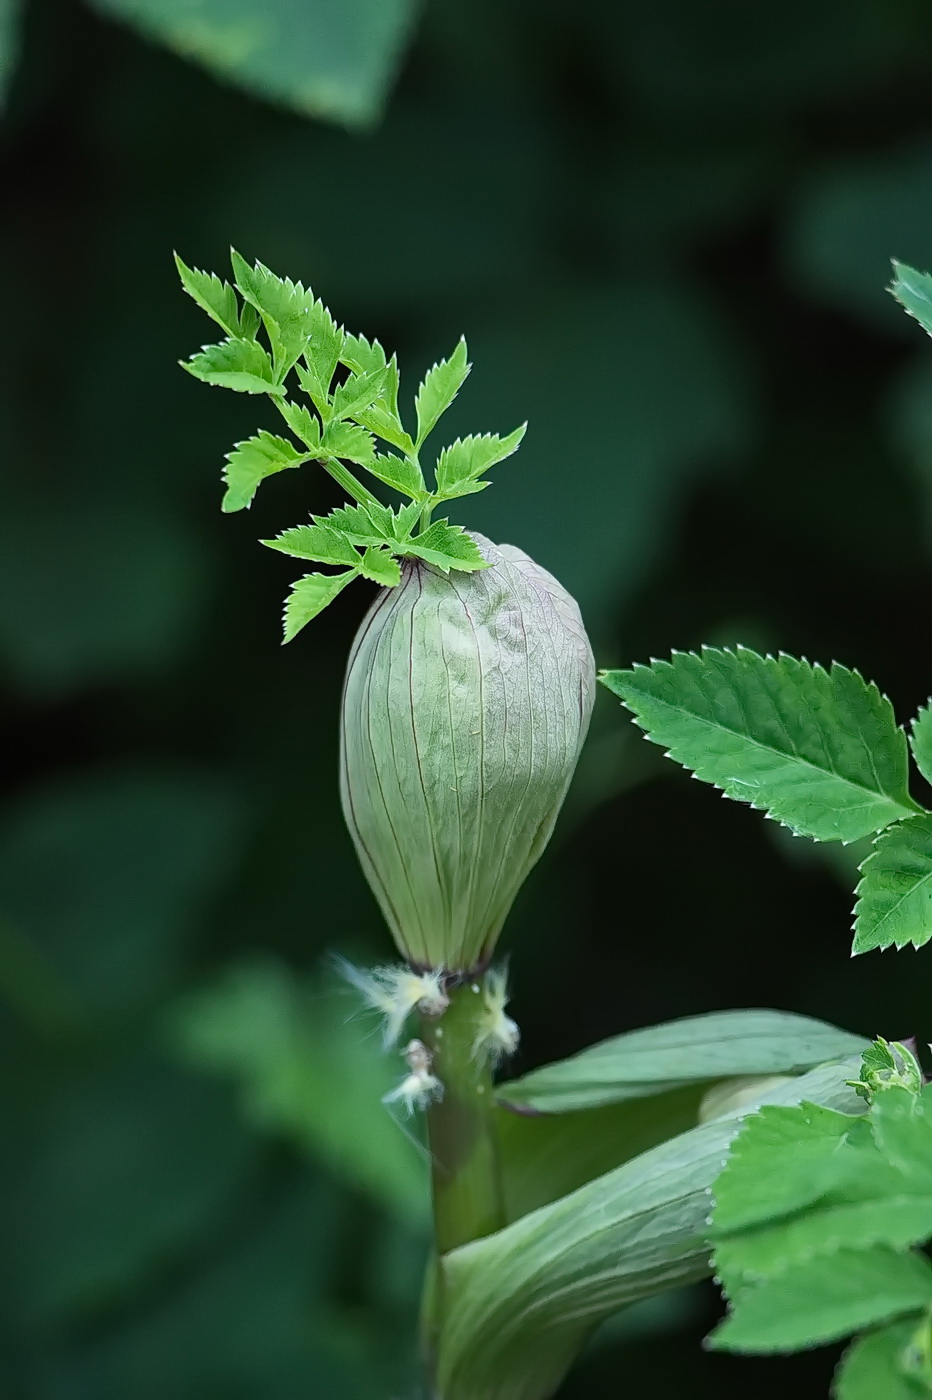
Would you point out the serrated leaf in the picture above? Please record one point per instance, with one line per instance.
(913, 290)
(404, 520)
(692, 1050)
(348, 441)
(460, 465)
(357, 524)
(783, 1160)
(818, 750)
(894, 906)
(251, 462)
(242, 365)
(521, 1301)
(286, 308)
(876, 1367)
(439, 388)
(896, 1221)
(309, 596)
(448, 547)
(322, 355)
(315, 542)
(217, 298)
(359, 392)
(825, 1298)
(379, 419)
(400, 473)
(302, 423)
(379, 566)
(361, 355)
(920, 741)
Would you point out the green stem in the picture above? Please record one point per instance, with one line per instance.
(350, 485)
(467, 1188)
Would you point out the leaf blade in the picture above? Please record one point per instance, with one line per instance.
(894, 905)
(308, 598)
(447, 547)
(242, 365)
(819, 750)
(250, 462)
(438, 389)
(824, 1299)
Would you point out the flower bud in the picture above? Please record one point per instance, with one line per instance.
(466, 702)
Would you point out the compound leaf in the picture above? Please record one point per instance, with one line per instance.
(242, 365)
(309, 596)
(920, 741)
(460, 465)
(448, 547)
(253, 460)
(439, 388)
(819, 750)
(317, 542)
(894, 905)
(825, 1298)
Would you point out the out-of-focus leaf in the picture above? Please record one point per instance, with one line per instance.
(307, 1071)
(135, 1166)
(115, 591)
(252, 1322)
(874, 1366)
(647, 347)
(521, 1302)
(108, 875)
(9, 41)
(324, 58)
(851, 220)
(722, 63)
(694, 1050)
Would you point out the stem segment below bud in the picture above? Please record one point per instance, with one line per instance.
(467, 1189)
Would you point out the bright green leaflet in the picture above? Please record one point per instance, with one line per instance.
(894, 905)
(323, 58)
(692, 1050)
(818, 750)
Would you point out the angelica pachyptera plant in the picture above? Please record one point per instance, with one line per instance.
(559, 1197)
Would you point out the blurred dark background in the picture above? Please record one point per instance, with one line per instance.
(665, 229)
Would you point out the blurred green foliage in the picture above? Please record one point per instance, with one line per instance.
(669, 222)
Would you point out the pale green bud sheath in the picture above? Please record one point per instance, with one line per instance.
(466, 702)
